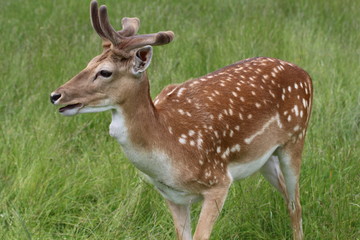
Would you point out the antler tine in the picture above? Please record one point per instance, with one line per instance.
(154, 39)
(108, 30)
(95, 19)
(130, 26)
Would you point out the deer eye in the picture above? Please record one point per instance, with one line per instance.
(105, 73)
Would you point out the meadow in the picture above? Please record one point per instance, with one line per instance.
(66, 178)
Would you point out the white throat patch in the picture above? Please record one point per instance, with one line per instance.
(118, 128)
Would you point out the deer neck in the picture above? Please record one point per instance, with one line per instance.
(134, 122)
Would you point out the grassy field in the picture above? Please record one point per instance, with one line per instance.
(66, 178)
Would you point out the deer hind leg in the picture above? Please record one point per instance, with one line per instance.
(290, 162)
(273, 174)
(213, 202)
(181, 216)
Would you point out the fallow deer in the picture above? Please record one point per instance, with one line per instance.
(199, 136)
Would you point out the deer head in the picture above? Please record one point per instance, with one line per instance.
(118, 71)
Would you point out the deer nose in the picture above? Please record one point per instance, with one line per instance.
(54, 97)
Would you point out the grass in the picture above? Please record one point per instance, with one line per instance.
(66, 178)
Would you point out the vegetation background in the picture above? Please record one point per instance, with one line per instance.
(66, 178)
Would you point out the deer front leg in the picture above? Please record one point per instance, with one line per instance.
(213, 202)
(181, 216)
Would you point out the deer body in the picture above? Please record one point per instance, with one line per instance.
(197, 137)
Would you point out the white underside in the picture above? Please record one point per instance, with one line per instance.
(243, 170)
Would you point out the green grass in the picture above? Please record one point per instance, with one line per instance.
(66, 178)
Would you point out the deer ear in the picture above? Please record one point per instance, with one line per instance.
(142, 59)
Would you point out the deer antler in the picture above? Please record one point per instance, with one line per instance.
(130, 26)
(125, 39)
(154, 39)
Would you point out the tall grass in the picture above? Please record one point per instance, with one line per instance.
(66, 178)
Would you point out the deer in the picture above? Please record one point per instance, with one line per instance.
(197, 137)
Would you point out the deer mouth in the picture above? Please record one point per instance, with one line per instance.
(71, 108)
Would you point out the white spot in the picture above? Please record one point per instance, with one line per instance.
(226, 153)
(289, 118)
(181, 111)
(170, 130)
(234, 93)
(199, 142)
(297, 127)
(231, 133)
(253, 93)
(289, 88)
(218, 149)
(273, 74)
(272, 94)
(304, 102)
(201, 162)
(241, 116)
(296, 86)
(192, 143)
(188, 114)
(191, 133)
(258, 105)
(249, 116)
(230, 111)
(180, 92)
(242, 99)
(156, 101)
(283, 97)
(220, 116)
(216, 134)
(237, 127)
(296, 110)
(235, 148)
(300, 136)
(182, 140)
(301, 113)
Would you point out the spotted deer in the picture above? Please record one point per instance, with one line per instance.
(199, 136)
